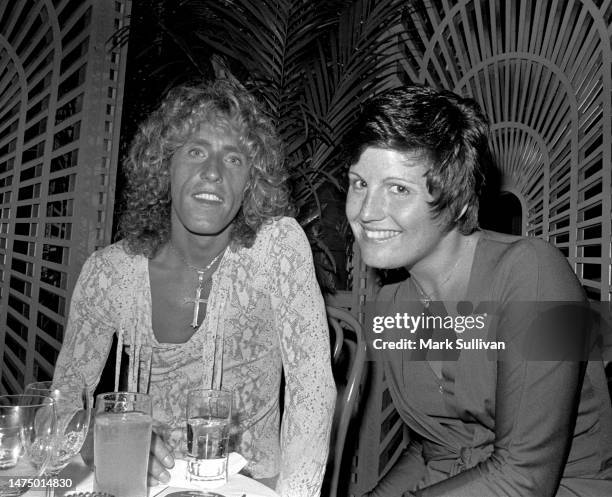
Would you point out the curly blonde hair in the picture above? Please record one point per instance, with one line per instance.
(145, 220)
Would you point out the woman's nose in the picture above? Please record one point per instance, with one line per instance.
(372, 208)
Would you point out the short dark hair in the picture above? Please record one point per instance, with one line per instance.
(449, 130)
(145, 220)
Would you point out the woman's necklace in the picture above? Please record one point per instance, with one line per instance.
(425, 298)
(201, 273)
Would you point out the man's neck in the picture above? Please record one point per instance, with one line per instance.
(199, 250)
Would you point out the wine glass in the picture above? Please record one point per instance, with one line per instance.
(27, 428)
(73, 409)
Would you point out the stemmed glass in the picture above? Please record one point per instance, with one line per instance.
(73, 408)
(27, 428)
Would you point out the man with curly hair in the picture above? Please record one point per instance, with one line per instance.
(211, 286)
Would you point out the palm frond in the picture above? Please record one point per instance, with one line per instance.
(357, 62)
(312, 62)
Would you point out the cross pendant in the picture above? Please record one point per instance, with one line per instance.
(197, 300)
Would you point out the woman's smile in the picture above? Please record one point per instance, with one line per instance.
(388, 208)
(378, 236)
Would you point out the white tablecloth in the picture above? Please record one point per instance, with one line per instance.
(82, 477)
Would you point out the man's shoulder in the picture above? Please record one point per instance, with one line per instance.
(280, 230)
(115, 255)
(279, 239)
(280, 225)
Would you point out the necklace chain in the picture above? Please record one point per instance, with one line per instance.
(197, 300)
(191, 266)
(426, 298)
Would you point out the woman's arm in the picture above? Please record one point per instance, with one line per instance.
(310, 389)
(405, 473)
(536, 400)
(534, 411)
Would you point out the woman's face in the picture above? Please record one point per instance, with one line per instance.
(208, 175)
(387, 208)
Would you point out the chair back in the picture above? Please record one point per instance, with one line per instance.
(348, 362)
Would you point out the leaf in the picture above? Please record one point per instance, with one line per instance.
(312, 62)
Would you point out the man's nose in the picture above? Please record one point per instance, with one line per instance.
(211, 170)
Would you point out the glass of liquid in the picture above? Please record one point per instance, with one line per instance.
(73, 409)
(209, 415)
(122, 439)
(27, 428)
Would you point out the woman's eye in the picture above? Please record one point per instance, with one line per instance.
(401, 189)
(358, 184)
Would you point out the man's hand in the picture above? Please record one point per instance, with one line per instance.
(160, 460)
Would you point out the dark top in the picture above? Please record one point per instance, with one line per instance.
(492, 423)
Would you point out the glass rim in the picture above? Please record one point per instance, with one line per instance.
(48, 384)
(37, 385)
(212, 390)
(197, 395)
(48, 402)
(113, 395)
(124, 401)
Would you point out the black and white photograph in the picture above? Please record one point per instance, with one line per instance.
(306, 248)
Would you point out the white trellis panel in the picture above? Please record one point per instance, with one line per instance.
(541, 70)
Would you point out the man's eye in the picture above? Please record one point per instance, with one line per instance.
(234, 160)
(196, 152)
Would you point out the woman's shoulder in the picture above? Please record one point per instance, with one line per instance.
(388, 292)
(530, 252)
(530, 262)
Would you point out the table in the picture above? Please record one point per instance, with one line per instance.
(236, 486)
(82, 477)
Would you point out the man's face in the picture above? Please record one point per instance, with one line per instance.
(208, 176)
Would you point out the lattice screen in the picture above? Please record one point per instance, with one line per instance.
(541, 70)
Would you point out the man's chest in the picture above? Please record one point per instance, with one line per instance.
(178, 304)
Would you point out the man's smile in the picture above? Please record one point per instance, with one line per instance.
(208, 197)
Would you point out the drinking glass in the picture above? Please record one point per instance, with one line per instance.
(27, 428)
(73, 410)
(122, 439)
(209, 414)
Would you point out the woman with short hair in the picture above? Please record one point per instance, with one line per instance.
(516, 419)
